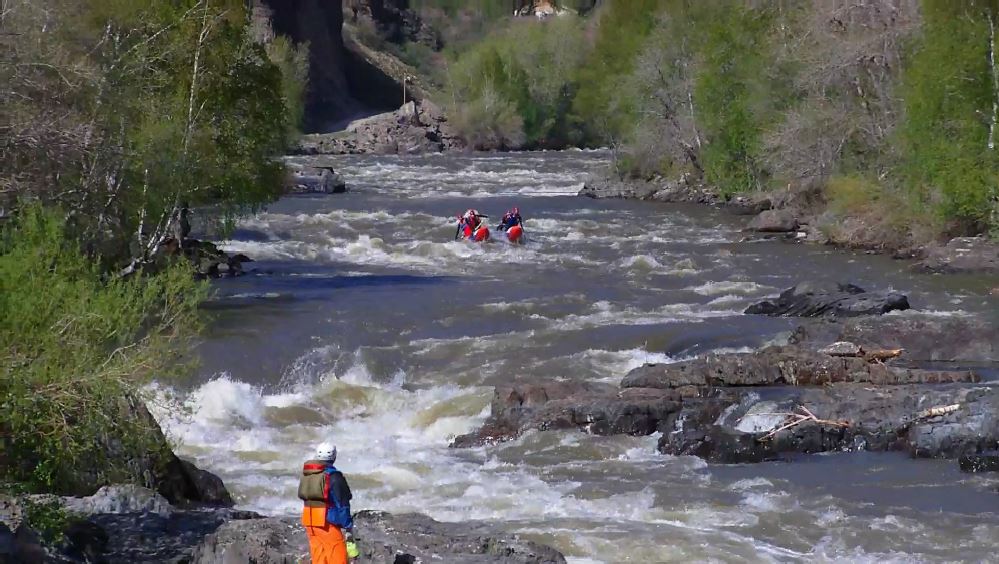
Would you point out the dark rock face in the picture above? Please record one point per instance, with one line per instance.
(987, 461)
(86, 541)
(774, 221)
(155, 467)
(596, 408)
(785, 366)
(318, 23)
(814, 299)
(962, 254)
(395, 21)
(417, 538)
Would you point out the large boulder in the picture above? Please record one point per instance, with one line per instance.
(774, 221)
(782, 366)
(119, 498)
(596, 408)
(315, 180)
(962, 254)
(814, 299)
(148, 462)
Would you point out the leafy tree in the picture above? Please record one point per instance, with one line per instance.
(950, 92)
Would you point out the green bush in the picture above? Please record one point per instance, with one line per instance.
(729, 83)
(949, 94)
(73, 347)
(293, 62)
(604, 112)
(526, 67)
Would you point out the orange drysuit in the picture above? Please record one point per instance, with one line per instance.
(326, 542)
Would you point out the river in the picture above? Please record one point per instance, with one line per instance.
(364, 323)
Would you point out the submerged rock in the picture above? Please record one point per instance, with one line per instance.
(814, 299)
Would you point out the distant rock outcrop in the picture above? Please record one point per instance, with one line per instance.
(412, 129)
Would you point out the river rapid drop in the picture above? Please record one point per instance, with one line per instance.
(363, 322)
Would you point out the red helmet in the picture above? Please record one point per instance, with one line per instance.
(515, 211)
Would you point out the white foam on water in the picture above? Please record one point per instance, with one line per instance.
(640, 263)
(729, 287)
(750, 484)
(726, 302)
(604, 313)
(616, 364)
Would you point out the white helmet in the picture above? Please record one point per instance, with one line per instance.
(326, 452)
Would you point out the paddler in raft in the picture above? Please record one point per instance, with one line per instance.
(471, 227)
(513, 225)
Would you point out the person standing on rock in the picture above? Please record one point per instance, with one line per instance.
(326, 515)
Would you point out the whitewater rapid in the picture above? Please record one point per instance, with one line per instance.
(363, 322)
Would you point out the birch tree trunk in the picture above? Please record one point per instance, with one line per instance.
(995, 79)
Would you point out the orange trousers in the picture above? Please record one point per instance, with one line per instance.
(325, 541)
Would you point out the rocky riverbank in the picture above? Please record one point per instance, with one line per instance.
(840, 383)
(801, 216)
(173, 511)
(415, 128)
(133, 524)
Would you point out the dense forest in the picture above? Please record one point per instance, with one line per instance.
(885, 108)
